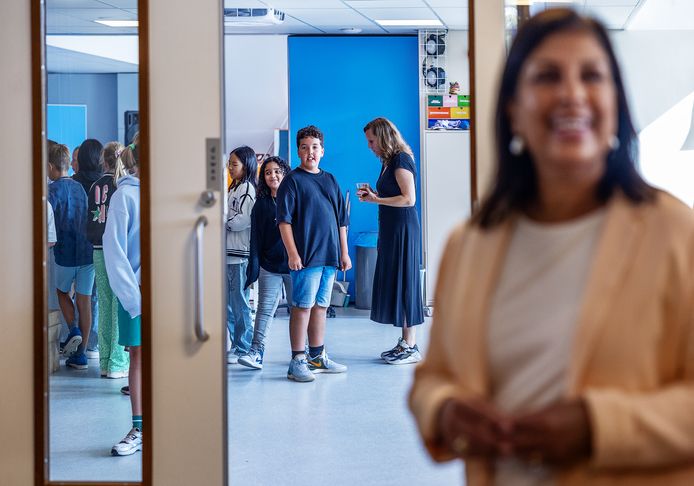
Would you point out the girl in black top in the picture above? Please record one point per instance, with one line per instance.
(268, 259)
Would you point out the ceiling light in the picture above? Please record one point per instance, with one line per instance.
(118, 23)
(410, 23)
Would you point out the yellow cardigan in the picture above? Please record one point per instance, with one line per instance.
(633, 355)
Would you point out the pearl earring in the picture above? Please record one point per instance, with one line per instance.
(613, 143)
(516, 146)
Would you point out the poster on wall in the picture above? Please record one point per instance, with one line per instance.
(448, 112)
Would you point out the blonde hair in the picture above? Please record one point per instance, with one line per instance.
(131, 155)
(389, 139)
(111, 157)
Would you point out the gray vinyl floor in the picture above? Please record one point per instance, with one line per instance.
(346, 429)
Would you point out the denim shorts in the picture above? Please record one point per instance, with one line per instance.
(312, 286)
(83, 277)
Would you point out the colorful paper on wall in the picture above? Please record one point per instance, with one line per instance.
(462, 113)
(448, 112)
(438, 112)
(434, 100)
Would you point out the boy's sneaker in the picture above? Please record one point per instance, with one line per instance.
(232, 358)
(130, 444)
(323, 364)
(407, 356)
(298, 369)
(125, 390)
(92, 353)
(254, 359)
(397, 348)
(72, 342)
(77, 361)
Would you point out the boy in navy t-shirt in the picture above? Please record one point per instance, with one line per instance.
(313, 224)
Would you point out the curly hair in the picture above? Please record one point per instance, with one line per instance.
(263, 189)
(310, 131)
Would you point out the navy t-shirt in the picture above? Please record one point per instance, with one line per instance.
(69, 203)
(314, 206)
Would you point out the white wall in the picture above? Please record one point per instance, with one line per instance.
(256, 89)
(658, 70)
(446, 183)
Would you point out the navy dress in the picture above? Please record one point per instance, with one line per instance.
(396, 287)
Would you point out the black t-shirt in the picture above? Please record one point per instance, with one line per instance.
(314, 206)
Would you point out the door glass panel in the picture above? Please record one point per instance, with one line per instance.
(648, 37)
(91, 119)
(333, 65)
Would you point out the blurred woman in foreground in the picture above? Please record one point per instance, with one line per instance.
(562, 347)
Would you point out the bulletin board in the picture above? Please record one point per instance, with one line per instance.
(448, 112)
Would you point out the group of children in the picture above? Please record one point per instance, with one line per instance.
(94, 229)
(291, 231)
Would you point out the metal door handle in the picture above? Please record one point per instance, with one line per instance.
(200, 332)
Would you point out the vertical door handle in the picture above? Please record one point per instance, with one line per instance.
(200, 332)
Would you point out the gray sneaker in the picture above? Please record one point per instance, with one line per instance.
(298, 369)
(397, 348)
(406, 356)
(323, 364)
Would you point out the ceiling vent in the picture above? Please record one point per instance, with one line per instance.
(253, 16)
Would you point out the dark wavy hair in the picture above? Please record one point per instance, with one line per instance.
(263, 189)
(250, 164)
(515, 184)
(311, 131)
(89, 155)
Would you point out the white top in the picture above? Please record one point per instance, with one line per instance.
(50, 223)
(532, 322)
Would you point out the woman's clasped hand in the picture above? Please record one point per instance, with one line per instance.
(556, 435)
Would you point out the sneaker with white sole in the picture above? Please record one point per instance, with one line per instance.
(298, 369)
(394, 349)
(115, 375)
(232, 358)
(323, 364)
(130, 444)
(254, 359)
(72, 342)
(77, 361)
(408, 355)
(92, 353)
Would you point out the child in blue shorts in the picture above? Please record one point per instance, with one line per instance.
(313, 224)
(73, 253)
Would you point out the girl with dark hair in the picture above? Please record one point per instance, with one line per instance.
(89, 163)
(243, 169)
(268, 259)
(562, 345)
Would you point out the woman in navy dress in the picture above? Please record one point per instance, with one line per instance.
(396, 287)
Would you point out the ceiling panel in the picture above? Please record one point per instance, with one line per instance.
(91, 14)
(659, 15)
(287, 4)
(345, 17)
(51, 4)
(397, 13)
(289, 26)
(447, 3)
(359, 4)
(66, 61)
(453, 16)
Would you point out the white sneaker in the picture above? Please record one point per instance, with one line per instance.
(114, 375)
(232, 358)
(92, 353)
(253, 360)
(130, 444)
(298, 369)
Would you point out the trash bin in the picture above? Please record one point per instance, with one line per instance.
(366, 266)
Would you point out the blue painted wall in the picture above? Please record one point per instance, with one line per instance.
(341, 83)
(67, 124)
(99, 92)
